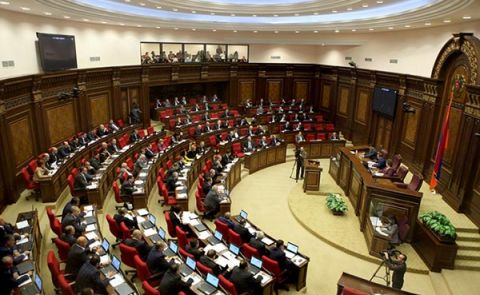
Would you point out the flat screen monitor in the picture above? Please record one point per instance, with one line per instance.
(57, 52)
(385, 101)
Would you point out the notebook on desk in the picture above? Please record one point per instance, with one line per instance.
(34, 288)
(210, 285)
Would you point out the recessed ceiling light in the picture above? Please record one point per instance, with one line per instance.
(255, 31)
(275, 15)
(315, 13)
(25, 8)
(296, 32)
(467, 17)
(447, 21)
(157, 27)
(47, 13)
(66, 16)
(122, 24)
(407, 26)
(379, 2)
(354, 30)
(127, 0)
(390, 28)
(139, 26)
(4, 3)
(296, 14)
(254, 15)
(194, 29)
(232, 14)
(175, 9)
(104, 22)
(365, 5)
(428, 24)
(212, 13)
(159, 7)
(337, 31)
(315, 31)
(334, 11)
(371, 29)
(193, 11)
(85, 19)
(276, 32)
(214, 30)
(323, 44)
(141, 4)
(349, 9)
(234, 31)
(175, 29)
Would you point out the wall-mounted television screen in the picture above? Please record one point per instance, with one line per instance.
(57, 52)
(385, 101)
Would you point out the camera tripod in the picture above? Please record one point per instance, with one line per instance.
(386, 277)
(293, 169)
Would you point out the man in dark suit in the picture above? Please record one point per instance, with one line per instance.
(198, 130)
(275, 141)
(89, 276)
(8, 275)
(156, 262)
(399, 268)
(104, 153)
(194, 248)
(128, 189)
(172, 283)
(227, 219)
(256, 242)
(207, 185)
(64, 150)
(248, 146)
(240, 229)
(149, 153)
(244, 280)
(113, 148)
(137, 242)
(101, 131)
(95, 161)
(277, 253)
(82, 139)
(212, 201)
(134, 136)
(121, 216)
(74, 219)
(75, 201)
(68, 235)
(381, 162)
(6, 229)
(171, 182)
(209, 261)
(82, 179)
(77, 256)
(53, 156)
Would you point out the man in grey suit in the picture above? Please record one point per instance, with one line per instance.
(213, 199)
(74, 219)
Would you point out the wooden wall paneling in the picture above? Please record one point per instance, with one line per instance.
(273, 90)
(124, 104)
(361, 116)
(117, 104)
(99, 108)
(246, 90)
(60, 121)
(145, 96)
(316, 91)
(470, 190)
(260, 86)
(234, 98)
(345, 104)
(302, 90)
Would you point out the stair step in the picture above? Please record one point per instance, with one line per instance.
(467, 244)
(467, 264)
(467, 254)
(467, 230)
(468, 238)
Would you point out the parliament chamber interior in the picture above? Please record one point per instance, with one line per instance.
(240, 147)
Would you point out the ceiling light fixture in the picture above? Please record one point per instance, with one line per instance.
(159, 7)
(365, 5)
(349, 9)
(296, 14)
(139, 26)
(174, 9)
(255, 31)
(47, 13)
(334, 11)
(315, 31)
(142, 4)
(85, 19)
(337, 31)
(315, 13)
(25, 8)
(254, 15)
(66, 16)
(193, 29)
(122, 24)
(467, 17)
(380, 2)
(428, 24)
(296, 32)
(447, 21)
(407, 26)
(276, 32)
(104, 23)
(193, 11)
(390, 28)
(214, 30)
(157, 27)
(232, 14)
(4, 3)
(234, 31)
(371, 29)
(127, 0)
(175, 29)
(354, 30)
(275, 15)
(323, 44)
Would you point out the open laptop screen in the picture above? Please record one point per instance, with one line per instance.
(152, 219)
(218, 235)
(161, 233)
(212, 280)
(292, 248)
(116, 263)
(38, 282)
(105, 245)
(256, 262)
(243, 214)
(173, 247)
(191, 263)
(234, 249)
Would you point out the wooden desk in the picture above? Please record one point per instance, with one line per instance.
(362, 285)
(266, 157)
(51, 187)
(289, 136)
(366, 193)
(318, 149)
(311, 182)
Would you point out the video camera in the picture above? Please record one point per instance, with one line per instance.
(390, 253)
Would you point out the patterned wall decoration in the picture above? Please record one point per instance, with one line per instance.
(99, 109)
(326, 93)
(20, 134)
(246, 90)
(342, 109)
(410, 128)
(60, 122)
(362, 106)
(274, 90)
(302, 89)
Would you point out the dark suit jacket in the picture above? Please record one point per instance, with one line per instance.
(142, 248)
(134, 137)
(52, 158)
(128, 222)
(195, 251)
(278, 255)
(112, 148)
(244, 281)
(127, 189)
(6, 229)
(7, 281)
(68, 238)
(381, 163)
(102, 132)
(80, 182)
(243, 232)
(259, 245)
(227, 221)
(76, 222)
(63, 151)
(76, 258)
(89, 277)
(398, 273)
(156, 262)
(67, 209)
(172, 283)
(212, 200)
(205, 260)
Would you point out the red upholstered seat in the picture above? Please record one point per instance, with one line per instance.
(191, 131)
(150, 130)
(414, 185)
(310, 137)
(203, 268)
(237, 150)
(141, 133)
(168, 200)
(126, 255)
(181, 237)
(169, 164)
(64, 285)
(243, 131)
(352, 291)
(222, 228)
(199, 202)
(274, 268)
(172, 123)
(113, 226)
(32, 166)
(116, 193)
(330, 126)
(307, 126)
(149, 290)
(396, 161)
(214, 116)
(54, 267)
(234, 238)
(143, 272)
(63, 248)
(319, 118)
(126, 234)
(248, 251)
(227, 285)
(28, 180)
(170, 227)
(129, 162)
(321, 136)
(184, 253)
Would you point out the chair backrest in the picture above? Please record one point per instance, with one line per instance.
(227, 285)
(185, 254)
(213, 140)
(209, 164)
(170, 228)
(236, 147)
(191, 131)
(271, 265)
(200, 190)
(199, 202)
(403, 230)
(113, 226)
(32, 165)
(310, 137)
(321, 136)
(402, 172)
(141, 133)
(63, 248)
(222, 228)
(169, 164)
(51, 216)
(330, 126)
(26, 175)
(161, 172)
(56, 227)
(71, 182)
(203, 268)
(396, 161)
(181, 236)
(116, 192)
(126, 234)
(64, 285)
(149, 290)
(352, 291)
(120, 123)
(234, 238)
(54, 267)
(126, 255)
(248, 251)
(143, 272)
(416, 182)
(129, 162)
(74, 172)
(150, 130)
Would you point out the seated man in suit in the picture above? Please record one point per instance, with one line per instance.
(194, 248)
(260, 110)
(113, 126)
(82, 139)
(198, 130)
(263, 142)
(286, 127)
(8, 276)
(64, 150)
(171, 182)
(226, 113)
(201, 148)
(101, 131)
(82, 180)
(137, 242)
(104, 153)
(213, 199)
(391, 229)
(53, 156)
(113, 147)
(371, 154)
(91, 135)
(209, 261)
(299, 138)
(156, 262)
(227, 158)
(206, 116)
(274, 140)
(68, 235)
(134, 136)
(196, 108)
(207, 185)
(90, 169)
(381, 162)
(256, 242)
(172, 282)
(75, 201)
(248, 146)
(122, 216)
(140, 164)
(244, 281)
(179, 122)
(218, 125)
(5, 230)
(89, 276)
(240, 229)
(227, 219)
(148, 152)
(217, 164)
(74, 219)
(334, 136)
(8, 248)
(250, 131)
(95, 161)
(77, 256)
(277, 253)
(127, 189)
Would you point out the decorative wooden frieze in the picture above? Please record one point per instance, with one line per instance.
(472, 111)
(289, 73)
(262, 73)
(204, 72)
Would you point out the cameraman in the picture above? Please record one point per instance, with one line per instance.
(300, 156)
(399, 268)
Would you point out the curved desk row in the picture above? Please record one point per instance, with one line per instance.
(266, 157)
(163, 112)
(318, 149)
(51, 187)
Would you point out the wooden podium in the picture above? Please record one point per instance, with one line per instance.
(311, 182)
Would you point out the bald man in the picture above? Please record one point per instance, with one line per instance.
(77, 256)
(137, 242)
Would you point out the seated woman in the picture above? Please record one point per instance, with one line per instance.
(41, 171)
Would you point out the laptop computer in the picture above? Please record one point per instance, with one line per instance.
(150, 222)
(233, 252)
(216, 238)
(200, 227)
(34, 288)
(291, 251)
(112, 267)
(172, 249)
(90, 219)
(210, 285)
(243, 215)
(255, 265)
(188, 267)
(24, 267)
(159, 236)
